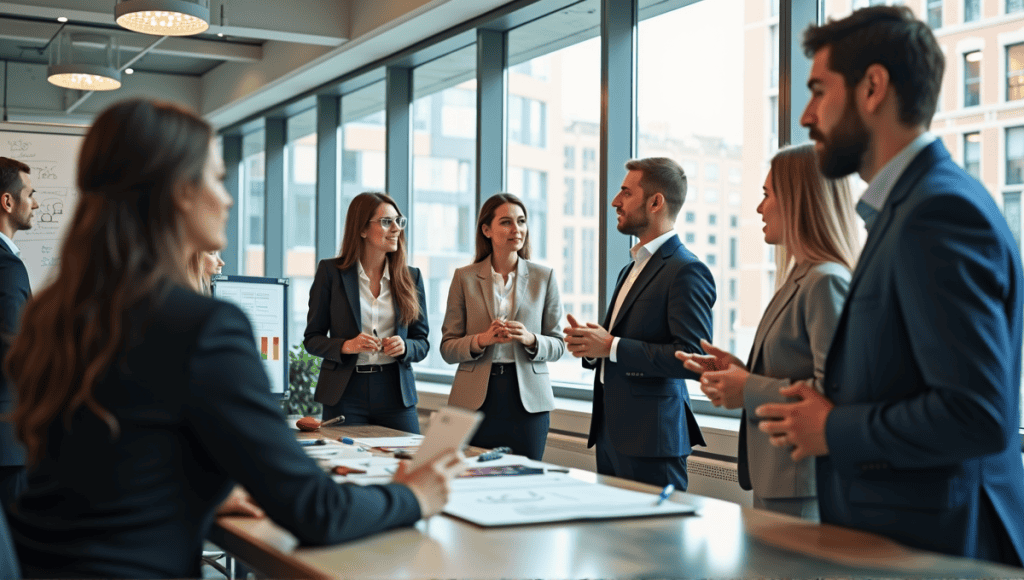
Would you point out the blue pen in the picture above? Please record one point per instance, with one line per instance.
(665, 493)
(351, 441)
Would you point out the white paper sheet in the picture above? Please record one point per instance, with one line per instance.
(531, 499)
(409, 441)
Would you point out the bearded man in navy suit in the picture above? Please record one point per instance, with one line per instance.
(642, 424)
(17, 202)
(917, 432)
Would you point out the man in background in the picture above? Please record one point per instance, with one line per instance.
(916, 433)
(642, 423)
(17, 203)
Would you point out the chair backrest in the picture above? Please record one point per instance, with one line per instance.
(8, 559)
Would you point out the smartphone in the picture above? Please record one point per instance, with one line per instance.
(450, 428)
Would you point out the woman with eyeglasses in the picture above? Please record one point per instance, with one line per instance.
(502, 328)
(368, 320)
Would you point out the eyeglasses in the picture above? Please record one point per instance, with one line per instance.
(385, 222)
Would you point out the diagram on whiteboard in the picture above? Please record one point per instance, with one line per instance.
(52, 160)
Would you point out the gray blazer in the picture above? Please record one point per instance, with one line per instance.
(470, 311)
(791, 343)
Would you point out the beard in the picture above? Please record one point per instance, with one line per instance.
(634, 224)
(843, 151)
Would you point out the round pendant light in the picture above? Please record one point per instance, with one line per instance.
(85, 62)
(164, 17)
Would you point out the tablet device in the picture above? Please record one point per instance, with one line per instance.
(450, 428)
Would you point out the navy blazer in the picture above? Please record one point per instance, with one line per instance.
(334, 317)
(14, 292)
(925, 372)
(644, 398)
(196, 416)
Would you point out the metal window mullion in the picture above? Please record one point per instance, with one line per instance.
(328, 117)
(491, 110)
(273, 198)
(232, 253)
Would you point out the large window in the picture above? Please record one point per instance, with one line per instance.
(443, 216)
(972, 154)
(253, 204)
(1015, 72)
(300, 217)
(362, 147)
(935, 13)
(722, 130)
(972, 78)
(972, 10)
(550, 119)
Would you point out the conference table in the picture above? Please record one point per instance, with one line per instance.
(720, 540)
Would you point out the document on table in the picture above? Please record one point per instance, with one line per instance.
(533, 499)
(408, 441)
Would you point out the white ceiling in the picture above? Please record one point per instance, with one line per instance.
(271, 50)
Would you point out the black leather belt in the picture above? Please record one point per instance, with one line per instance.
(362, 369)
(503, 368)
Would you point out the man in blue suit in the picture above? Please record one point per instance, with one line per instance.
(16, 206)
(917, 431)
(642, 423)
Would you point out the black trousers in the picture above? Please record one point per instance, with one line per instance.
(375, 399)
(507, 423)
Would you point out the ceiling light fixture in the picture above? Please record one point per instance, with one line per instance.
(164, 17)
(86, 62)
(129, 71)
(62, 19)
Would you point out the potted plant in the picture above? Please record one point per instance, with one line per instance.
(303, 370)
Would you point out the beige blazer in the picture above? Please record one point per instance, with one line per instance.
(791, 343)
(471, 310)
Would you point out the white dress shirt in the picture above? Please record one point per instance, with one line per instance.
(504, 305)
(377, 314)
(878, 190)
(10, 244)
(641, 255)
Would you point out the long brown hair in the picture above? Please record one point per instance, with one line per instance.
(122, 247)
(360, 212)
(487, 211)
(817, 212)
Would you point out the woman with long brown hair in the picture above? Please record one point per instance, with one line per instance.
(141, 403)
(502, 328)
(809, 219)
(368, 320)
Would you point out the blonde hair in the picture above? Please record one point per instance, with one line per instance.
(817, 212)
(197, 275)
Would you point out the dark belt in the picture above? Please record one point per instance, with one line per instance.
(362, 369)
(503, 368)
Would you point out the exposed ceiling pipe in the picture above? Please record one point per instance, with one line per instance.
(133, 60)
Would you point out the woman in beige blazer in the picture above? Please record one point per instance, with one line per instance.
(810, 220)
(502, 326)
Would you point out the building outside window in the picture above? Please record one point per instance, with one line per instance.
(972, 78)
(972, 10)
(568, 259)
(300, 217)
(1015, 156)
(253, 206)
(972, 154)
(935, 13)
(1014, 6)
(444, 161)
(569, 206)
(570, 157)
(1015, 72)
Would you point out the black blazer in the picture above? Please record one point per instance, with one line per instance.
(14, 292)
(196, 416)
(334, 317)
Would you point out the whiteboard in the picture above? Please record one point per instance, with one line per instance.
(53, 159)
(265, 302)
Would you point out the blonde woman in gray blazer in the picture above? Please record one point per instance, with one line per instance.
(502, 326)
(810, 220)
